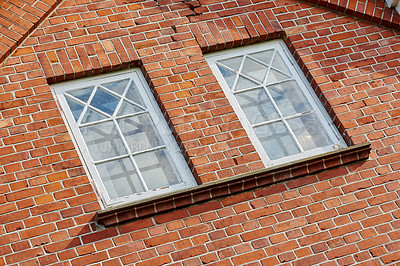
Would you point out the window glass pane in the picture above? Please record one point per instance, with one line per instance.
(119, 178)
(228, 75)
(75, 107)
(156, 169)
(128, 108)
(289, 98)
(256, 106)
(103, 141)
(276, 76)
(309, 131)
(276, 140)
(263, 56)
(117, 86)
(104, 101)
(244, 83)
(254, 69)
(133, 94)
(233, 63)
(92, 116)
(82, 94)
(139, 132)
(280, 64)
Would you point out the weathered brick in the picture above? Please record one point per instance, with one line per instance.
(187, 253)
(162, 239)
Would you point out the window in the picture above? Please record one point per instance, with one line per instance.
(274, 102)
(122, 137)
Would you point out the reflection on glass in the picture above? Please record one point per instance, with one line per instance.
(104, 101)
(156, 169)
(256, 106)
(133, 94)
(92, 116)
(139, 132)
(228, 75)
(117, 86)
(280, 64)
(289, 98)
(254, 69)
(233, 63)
(264, 56)
(276, 140)
(128, 108)
(103, 140)
(75, 107)
(244, 83)
(309, 131)
(82, 94)
(275, 76)
(119, 178)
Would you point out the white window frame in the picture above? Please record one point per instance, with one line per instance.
(176, 158)
(298, 76)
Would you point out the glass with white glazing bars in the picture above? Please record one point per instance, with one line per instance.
(125, 142)
(279, 111)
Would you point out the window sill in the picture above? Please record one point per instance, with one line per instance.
(168, 202)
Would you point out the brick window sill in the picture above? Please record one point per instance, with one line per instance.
(210, 191)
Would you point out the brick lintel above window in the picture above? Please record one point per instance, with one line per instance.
(259, 182)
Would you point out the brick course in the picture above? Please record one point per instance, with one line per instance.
(345, 215)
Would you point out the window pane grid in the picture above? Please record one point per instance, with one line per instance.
(238, 73)
(293, 135)
(117, 95)
(110, 119)
(86, 105)
(281, 119)
(265, 89)
(268, 65)
(139, 175)
(114, 118)
(127, 153)
(277, 109)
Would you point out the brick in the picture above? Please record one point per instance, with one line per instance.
(223, 243)
(280, 248)
(374, 241)
(376, 220)
(391, 257)
(321, 216)
(314, 238)
(195, 230)
(99, 235)
(280, 227)
(23, 255)
(44, 229)
(263, 232)
(125, 249)
(342, 251)
(352, 207)
(248, 257)
(345, 229)
(160, 240)
(91, 258)
(187, 253)
(156, 261)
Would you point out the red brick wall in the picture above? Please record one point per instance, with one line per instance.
(18, 19)
(342, 216)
